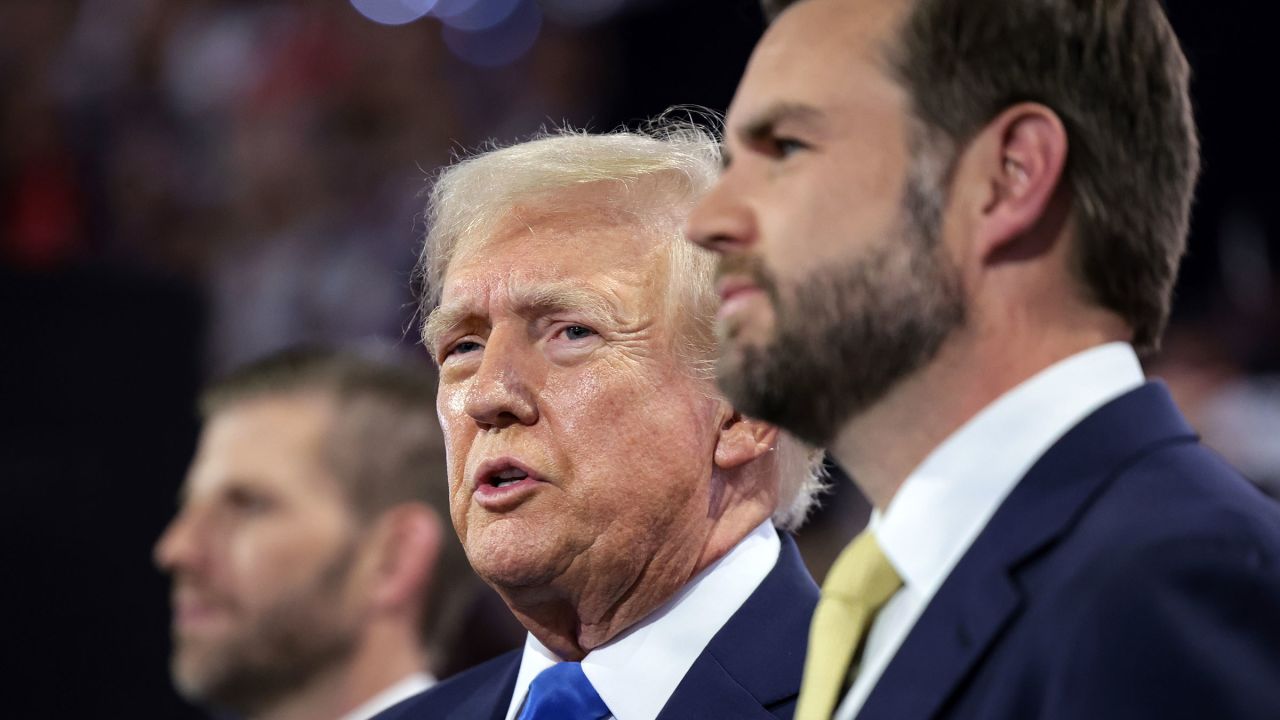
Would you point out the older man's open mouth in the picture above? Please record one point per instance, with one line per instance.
(503, 483)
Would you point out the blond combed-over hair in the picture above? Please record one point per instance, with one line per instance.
(471, 198)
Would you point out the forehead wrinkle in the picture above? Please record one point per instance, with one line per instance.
(538, 299)
(531, 300)
(527, 291)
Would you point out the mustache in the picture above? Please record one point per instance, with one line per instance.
(188, 590)
(751, 266)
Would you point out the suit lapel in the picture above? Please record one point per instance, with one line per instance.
(754, 663)
(979, 599)
(710, 691)
(490, 701)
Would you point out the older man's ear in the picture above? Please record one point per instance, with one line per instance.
(743, 439)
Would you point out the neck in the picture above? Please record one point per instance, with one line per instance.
(388, 655)
(883, 445)
(576, 618)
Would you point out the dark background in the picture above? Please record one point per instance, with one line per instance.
(186, 185)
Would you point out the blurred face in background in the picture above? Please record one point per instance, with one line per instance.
(833, 279)
(579, 446)
(263, 556)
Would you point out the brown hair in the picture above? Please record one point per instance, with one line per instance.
(1113, 72)
(385, 448)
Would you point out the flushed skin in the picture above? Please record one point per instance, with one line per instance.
(586, 394)
(596, 473)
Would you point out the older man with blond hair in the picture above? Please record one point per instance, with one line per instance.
(628, 515)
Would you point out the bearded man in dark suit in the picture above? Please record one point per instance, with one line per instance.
(947, 229)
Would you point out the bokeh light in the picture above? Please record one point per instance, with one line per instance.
(393, 12)
(474, 15)
(500, 44)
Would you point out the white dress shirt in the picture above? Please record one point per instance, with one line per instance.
(402, 690)
(945, 503)
(637, 672)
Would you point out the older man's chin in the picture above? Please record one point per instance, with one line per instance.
(509, 554)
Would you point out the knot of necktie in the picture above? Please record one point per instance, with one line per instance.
(860, 582)
(563, 692)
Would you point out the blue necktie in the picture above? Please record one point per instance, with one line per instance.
(563, 692)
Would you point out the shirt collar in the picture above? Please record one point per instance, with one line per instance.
(637, 672)
(946, 501)
(401, 690)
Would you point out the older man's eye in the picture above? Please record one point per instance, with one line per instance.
(462, 348)
(578, 332)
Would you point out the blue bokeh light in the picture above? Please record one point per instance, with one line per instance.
(393, 12)
(500, 44)
(474, 15)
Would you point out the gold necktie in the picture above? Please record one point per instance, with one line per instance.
(859, 583)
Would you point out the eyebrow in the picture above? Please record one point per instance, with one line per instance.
(773, 115)
(764, 123)
(530, 302)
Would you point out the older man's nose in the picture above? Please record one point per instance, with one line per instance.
(721, 221)
(499, 395)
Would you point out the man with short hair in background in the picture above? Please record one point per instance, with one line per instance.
(313, 575)
(630, 517)
(947, 228)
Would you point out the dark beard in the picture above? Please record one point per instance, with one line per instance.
(848, 335)
(286, 648)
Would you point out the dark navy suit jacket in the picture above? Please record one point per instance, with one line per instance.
(750, 670)
(1130, 574)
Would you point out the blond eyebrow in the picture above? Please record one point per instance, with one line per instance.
(442, 320)
(529, 301)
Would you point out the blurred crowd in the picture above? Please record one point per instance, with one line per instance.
(271, 154)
